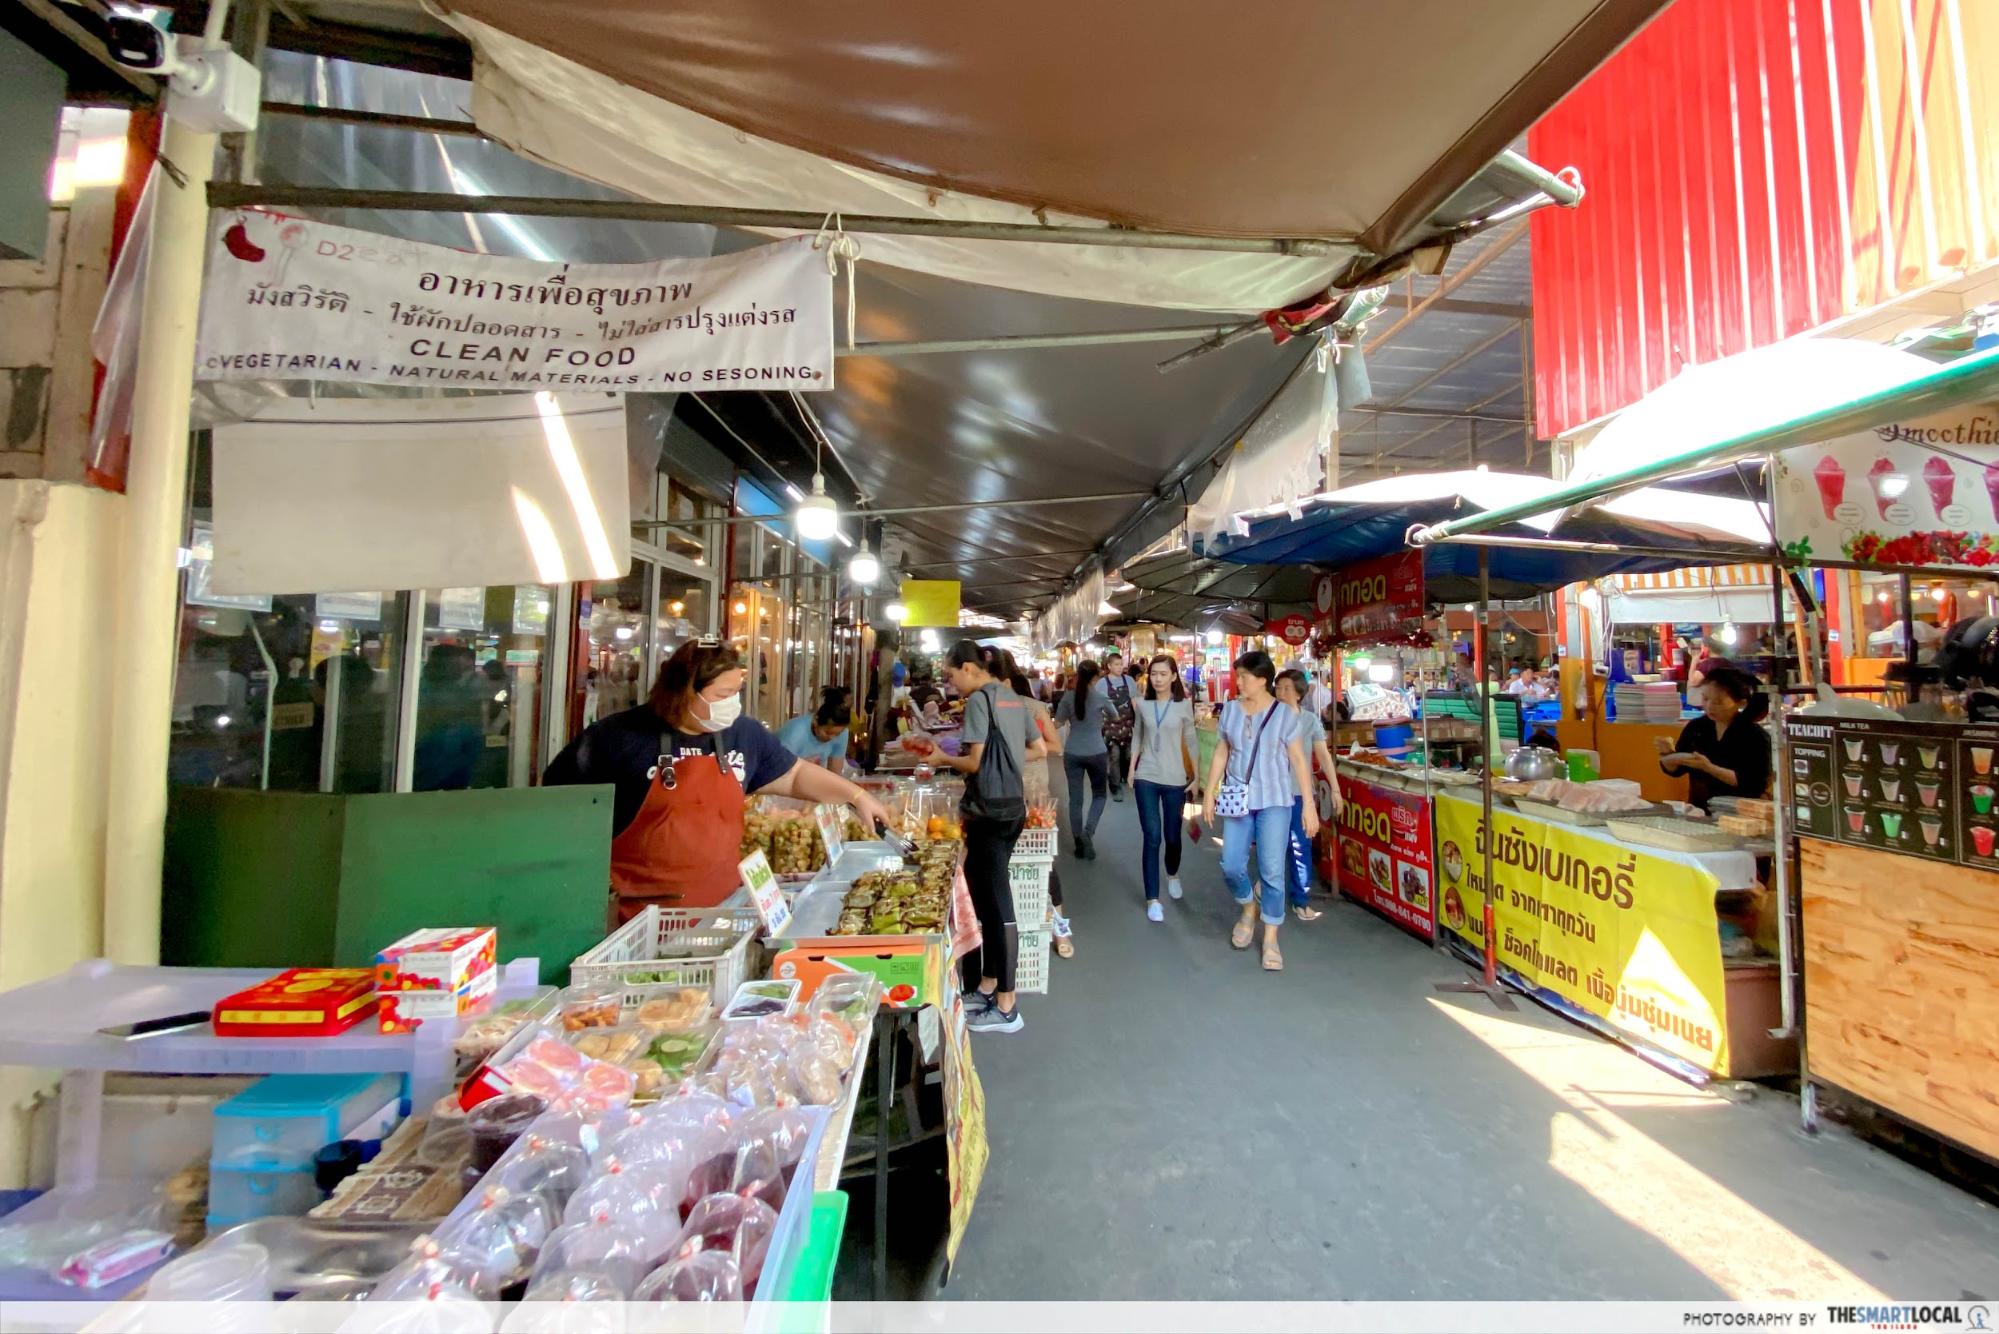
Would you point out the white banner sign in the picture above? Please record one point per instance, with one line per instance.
(288, 299)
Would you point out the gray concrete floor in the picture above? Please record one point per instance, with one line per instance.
(1174, 1123)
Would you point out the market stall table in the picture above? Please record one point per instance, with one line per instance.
(1623, 938)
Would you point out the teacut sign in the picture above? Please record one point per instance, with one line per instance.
(1293, 629)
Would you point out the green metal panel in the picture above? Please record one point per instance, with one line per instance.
(252, 879)
(532, 862)
(283, 880)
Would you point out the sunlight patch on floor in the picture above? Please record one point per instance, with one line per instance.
(1742, 1250)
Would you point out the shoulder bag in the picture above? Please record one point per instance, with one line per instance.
(1232, 797)
(998, 790)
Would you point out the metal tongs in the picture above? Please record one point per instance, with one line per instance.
(905, 846)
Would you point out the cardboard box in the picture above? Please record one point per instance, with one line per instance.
(435, 973)
(298, 1003)
(910, 968)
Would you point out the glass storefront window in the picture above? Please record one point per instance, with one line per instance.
(677, 501)
(608, 671)
(686, 612)
(478, 704)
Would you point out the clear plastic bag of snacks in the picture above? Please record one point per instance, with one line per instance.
(705, 1276)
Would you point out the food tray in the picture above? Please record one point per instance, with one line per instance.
(1030, 971)
(665, 948)
(1030, 891)
(1671, 832)
(1548, 810)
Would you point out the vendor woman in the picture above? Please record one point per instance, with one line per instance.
(1725, 752)
(681, 765)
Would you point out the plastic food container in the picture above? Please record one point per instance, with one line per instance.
(586, 1007)
(497, 1123)
(762, 999)
(282, 1120)
(237, 1195)
(616, 1045)
(227, 1273)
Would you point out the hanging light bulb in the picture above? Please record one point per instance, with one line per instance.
(1728, 633)
(897, 612)
(818, 515)
(865, 568)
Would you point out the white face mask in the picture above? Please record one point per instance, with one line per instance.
(722, 712)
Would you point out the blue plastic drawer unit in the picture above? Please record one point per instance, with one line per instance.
(237, 1195)
(278, 1123)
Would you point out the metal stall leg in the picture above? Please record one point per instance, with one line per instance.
(1487, 985)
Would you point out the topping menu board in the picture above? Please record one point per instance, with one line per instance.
(1922, 789)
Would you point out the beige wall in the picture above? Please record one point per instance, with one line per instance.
(58, 566)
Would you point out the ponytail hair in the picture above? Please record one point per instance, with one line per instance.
(971, 653)
(1086, 676)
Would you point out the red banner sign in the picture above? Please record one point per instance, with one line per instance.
(1386, 860)
(1293, 629)
(1378, 597)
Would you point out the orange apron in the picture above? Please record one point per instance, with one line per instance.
(681, 849)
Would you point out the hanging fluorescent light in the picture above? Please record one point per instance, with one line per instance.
(818, 514)
(792, 491)
(865, 568)
(897, 612)
(845, 541)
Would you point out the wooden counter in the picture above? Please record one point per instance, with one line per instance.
(1902, 986)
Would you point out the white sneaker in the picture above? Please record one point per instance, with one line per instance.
(1154, 911)
(1172, 886)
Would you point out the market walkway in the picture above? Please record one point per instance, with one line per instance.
(1173, 1123)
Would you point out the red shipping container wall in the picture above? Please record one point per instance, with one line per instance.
(1756, 169)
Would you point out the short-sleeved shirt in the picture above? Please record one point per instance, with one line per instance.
(1270, 779)
(998, 717)
(1310, 731)
(1743, 748)
(1166, 741)
(626, 748)
(1086, 734)
(797, 738)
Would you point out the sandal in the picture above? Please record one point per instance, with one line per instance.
(1273, 962)
(1065, 947)
(1307, 913)
(1244, 929)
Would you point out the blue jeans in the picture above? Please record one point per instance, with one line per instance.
(1301, 856)
(1159, 809)
(1270, 830)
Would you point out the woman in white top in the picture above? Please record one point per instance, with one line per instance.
(1292, 689)
(1162, 768)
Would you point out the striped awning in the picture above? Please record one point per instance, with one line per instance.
(1697, 578)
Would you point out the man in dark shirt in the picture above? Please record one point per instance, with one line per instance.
(1725, 751)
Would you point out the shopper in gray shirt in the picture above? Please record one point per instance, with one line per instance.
(1085, 758)
(1162, 769)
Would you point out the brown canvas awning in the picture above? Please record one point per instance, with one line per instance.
(1331, 118)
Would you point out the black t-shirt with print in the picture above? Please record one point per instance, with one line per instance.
(625, 748)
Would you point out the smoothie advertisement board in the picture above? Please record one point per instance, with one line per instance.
(1625, 935)
(1920, 492)
(1920, 789)
(1385, 859)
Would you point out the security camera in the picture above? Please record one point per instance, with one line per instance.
(210, 88)
(137, 44)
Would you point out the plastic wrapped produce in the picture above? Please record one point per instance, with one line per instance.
(431, 1273)
(437, 1311)
(758, 1171)
(786, 1128)
(738, 1227)
(633, 1194)
(501, 1238)
(705, 1276)
(550, 1167)
(615, 1254)
(497, 1123)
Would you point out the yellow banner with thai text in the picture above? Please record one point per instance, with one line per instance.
(1625, 934)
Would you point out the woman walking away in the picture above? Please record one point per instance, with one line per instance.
(1162, 768)
(1259, 766)
(997, 750)
(1085, 758)
(1293, 689)
(1045, 783)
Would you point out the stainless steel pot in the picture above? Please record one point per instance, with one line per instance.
(1530, 764)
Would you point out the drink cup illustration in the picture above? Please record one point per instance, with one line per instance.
(1992, 487)
(1853, 749)
(1928, 755)
(1891, 824)
(1891, 789)
(1932, 830)
(1926, 788)
(1941, 479)
(1887, 483)
(1805, 816)
(1831, 479)
(1889, 751)
(1852, 784)
(1981, 838)
(1981, 759)
(1981, 798)
(1856, 821)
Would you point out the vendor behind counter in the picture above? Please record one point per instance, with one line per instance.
(1724, 752)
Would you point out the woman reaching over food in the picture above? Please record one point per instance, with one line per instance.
(1259, 766)
(997, 749)
(680, 766)
(1725, 751)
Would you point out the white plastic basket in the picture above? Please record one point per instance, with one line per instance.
(1029, 880)
(665, 948)
(1030, 971)
(1035, 843)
